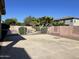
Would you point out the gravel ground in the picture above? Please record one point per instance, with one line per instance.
(41, 46)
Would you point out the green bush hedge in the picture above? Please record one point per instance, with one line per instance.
(58, 24)
(44, 30)
(22, 30)
(37, 28)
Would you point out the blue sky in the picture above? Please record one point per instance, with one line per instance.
(56, 8)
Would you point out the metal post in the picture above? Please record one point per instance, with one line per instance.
(0, 31)
(0, 27)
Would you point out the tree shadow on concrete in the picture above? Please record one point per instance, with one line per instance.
(10, 52)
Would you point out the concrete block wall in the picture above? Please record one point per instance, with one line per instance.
(75, 32)
(67, 31)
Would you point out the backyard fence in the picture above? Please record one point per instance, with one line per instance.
(66, 31)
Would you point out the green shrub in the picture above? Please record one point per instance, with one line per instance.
(44, 30)
(37, 28)
(58, 24)
(22, 30)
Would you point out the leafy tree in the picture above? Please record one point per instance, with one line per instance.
(31, 21)
(28, 20)
(46, 20)
(19, 24)
(11, 21)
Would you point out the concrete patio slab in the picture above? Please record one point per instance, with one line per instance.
(44, 46)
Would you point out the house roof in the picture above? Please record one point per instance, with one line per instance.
(2, 7)
(66, 18)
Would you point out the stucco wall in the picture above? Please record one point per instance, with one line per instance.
(15, 29)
